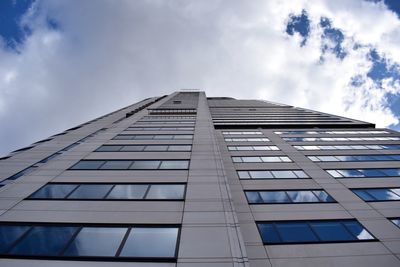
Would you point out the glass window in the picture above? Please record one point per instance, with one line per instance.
(185, 148)
(46, 241)
(108, 148)
(116, 165)
(9, 234)
(88, 191)
(323, 196)
(302, 196)
(253, 197)
(396, 222)
(96, 241)
(331, 231)
(151, 242)
(88, 165)
(274, 197)
(174, 164)
(156, 148)
(295, 232)
(318, 231)
(127, 191)
(377, 194)
(145, 165)
(54, 191)
(132, 148)
(284, 174)
(261, 174)
(165, 191)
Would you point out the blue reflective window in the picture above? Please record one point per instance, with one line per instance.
(318, 231)
(274, 197)
(378, 194)
(166, 192)
(295, 232)
(54, 191)
(108, 148)
(331, 231)
(87, 191)
(145, 165)
(116, 165)
(96, 241)
(355, 173)
(133, 148)
(396, 222)
(151, 242)
(175, 164)
(302, 196)
(128, 192)
(9, 234)
(88, 165)
(44, 240)
(253, 197)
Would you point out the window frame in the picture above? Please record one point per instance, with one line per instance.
(93, 258)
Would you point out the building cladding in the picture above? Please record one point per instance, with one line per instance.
(186, 180)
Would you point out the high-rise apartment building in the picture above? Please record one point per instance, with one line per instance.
(189, 181)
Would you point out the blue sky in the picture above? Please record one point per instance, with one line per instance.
(65, 62)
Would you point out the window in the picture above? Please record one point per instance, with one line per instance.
(355, 158)
(153, 137)
(268, 174)
(246, 139)
(290, 196)
(241, 133)
(146, 122)
(349, 147)
(261, 159)
(71, 241)
(315, 231)
(378, 194)
(338, 139)
(140, 148)
(396, 221)
(160, 129)
(131, 165)
(332, 132)
(364, 173)
(252, 148)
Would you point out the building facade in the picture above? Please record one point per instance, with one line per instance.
(189, 181)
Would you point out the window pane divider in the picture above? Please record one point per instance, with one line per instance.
(70, 240)
(109, 191)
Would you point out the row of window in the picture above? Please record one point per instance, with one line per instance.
(168, 117)
(142, 122)
(364, 173)
(260, 159)
(247, 139)
(72, 191)
(269, 174)
(252, 148)
(339, 139)
(355, 158)
(160, 129)
(241, 133)
(349, 147)
(332, 132)
(313, 231)
(131, 165)
(87, 241)
(289, 196)
(140, 148)
(153, 137)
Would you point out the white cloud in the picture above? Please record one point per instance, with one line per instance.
(110, 55)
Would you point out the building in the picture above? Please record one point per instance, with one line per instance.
(189, 181)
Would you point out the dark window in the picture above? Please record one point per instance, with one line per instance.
(145, 165)
(131, 165)
(88, 165)
(71, 240)
(312, 231)
(111, 191)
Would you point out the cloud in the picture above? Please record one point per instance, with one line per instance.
(82, 60)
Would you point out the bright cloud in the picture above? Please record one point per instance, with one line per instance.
(82, 60)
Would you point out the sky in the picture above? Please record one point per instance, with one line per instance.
(65, 62)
